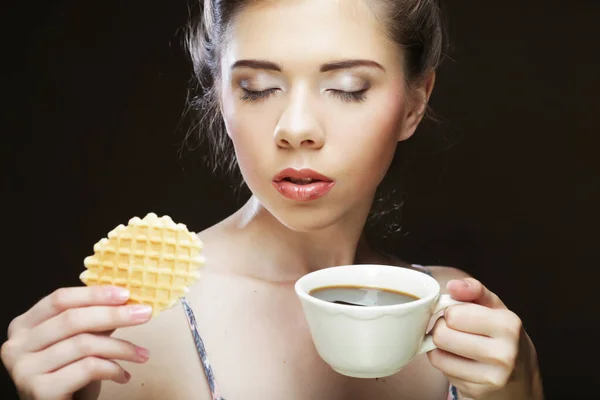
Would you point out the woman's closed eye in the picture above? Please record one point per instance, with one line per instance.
(254, 95)
(348, 87)
(348, 97)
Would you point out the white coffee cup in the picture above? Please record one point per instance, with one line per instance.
(374, 341)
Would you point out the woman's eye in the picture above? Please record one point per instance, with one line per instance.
(348, 97)
(254, 95)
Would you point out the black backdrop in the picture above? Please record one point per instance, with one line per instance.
(93, 124)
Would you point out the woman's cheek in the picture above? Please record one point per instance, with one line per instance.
(251, 144)
(374, 137)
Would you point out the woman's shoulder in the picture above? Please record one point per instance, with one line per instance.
(168, 337)
(220, 242)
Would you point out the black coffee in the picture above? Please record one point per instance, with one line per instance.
(362, 295)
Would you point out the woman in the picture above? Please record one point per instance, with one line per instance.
(313, 96)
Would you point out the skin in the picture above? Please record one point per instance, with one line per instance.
(245, 305)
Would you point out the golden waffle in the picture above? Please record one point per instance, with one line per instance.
(154, 258)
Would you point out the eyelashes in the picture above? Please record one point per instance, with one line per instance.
(347, 97)
(254, 95)
(350, 97)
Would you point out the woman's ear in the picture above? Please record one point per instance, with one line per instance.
(418, 105)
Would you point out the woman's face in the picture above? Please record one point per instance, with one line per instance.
(314, 84)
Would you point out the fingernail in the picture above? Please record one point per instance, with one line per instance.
(142, 353)
(119, 294)
(127, 376)
(457, 283)
(140, 313)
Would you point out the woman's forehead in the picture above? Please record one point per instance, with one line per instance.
(297, 32)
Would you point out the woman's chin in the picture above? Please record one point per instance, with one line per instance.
(308, 220)
(310, 216)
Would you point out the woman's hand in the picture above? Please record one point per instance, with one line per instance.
(63, 344)
(481, 346)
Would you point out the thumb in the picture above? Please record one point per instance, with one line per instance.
(471, 290)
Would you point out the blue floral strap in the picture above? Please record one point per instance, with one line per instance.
(210, 376)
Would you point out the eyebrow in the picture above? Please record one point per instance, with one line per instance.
(256, 64)
(344, 64)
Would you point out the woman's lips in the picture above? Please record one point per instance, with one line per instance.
(302, 185)
(307, 192)
(291, 173)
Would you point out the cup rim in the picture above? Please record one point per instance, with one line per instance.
(344, 307)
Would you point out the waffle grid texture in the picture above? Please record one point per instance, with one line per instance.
(154, 258)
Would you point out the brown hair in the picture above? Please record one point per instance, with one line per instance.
(416, 25)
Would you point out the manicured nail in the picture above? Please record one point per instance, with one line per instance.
(120, 294)
(459, 283)
(142, 353)
(140, 313)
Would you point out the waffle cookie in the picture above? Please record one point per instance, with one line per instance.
(154, 258)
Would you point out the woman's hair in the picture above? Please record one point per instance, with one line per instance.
(415, 25)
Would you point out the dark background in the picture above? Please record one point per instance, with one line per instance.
(94, 94)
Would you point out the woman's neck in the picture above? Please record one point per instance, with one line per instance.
(289, 254)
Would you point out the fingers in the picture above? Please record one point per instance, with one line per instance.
(63, 342)
(477, 342)
(467, 370)
(76, 348)
(76, 376)
(88, 319)
(471, 290)
(475, 347)
(480, 320)
(471, 377)
(67, 298)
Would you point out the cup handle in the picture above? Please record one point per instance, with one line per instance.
(444, 301)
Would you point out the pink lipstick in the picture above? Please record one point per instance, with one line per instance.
(302, 185)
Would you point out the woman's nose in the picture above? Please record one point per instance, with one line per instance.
(298, 127)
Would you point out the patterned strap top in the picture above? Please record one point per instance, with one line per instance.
(202, 354)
